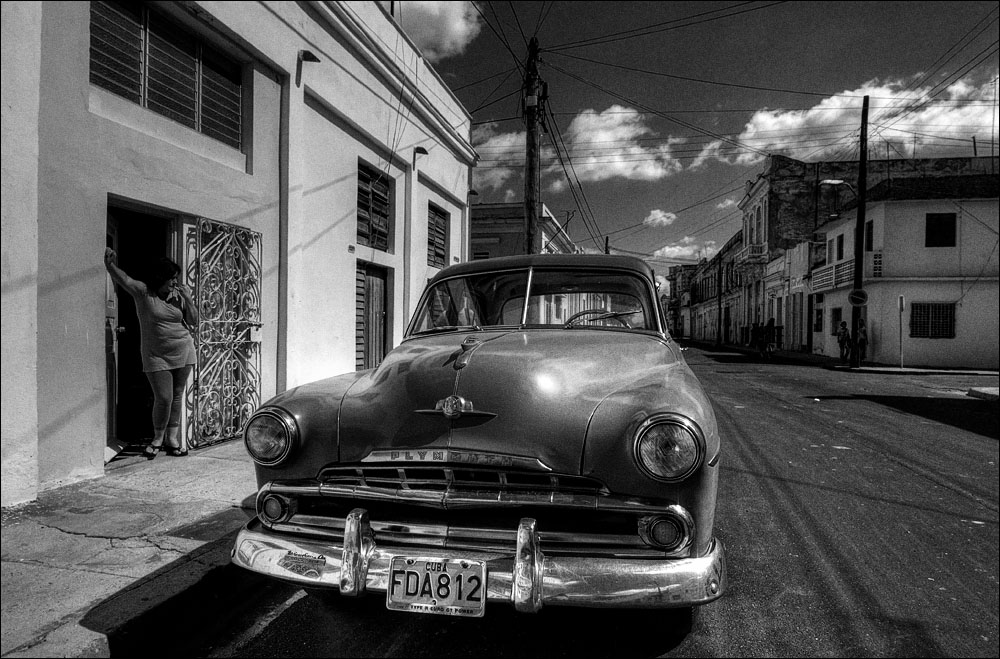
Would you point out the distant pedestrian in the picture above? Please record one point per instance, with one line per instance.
(166, 316)
(862, 341)
(844, 341)
(768, 336)
(754, 335)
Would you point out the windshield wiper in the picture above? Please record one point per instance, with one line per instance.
(449, 328)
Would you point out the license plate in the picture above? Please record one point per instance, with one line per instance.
(446, 586)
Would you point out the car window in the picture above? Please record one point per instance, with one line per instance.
(475, 301)
(558, 299)
(589, 299)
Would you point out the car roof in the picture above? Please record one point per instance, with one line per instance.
(584, 261)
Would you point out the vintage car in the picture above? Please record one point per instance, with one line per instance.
(537, 438)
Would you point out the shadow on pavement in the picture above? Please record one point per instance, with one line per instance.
(972, 415)
(159, 611)
(325, 624)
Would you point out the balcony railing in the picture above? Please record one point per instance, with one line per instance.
(752, 253)
(833, 276)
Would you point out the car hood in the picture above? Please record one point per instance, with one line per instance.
(528, 393)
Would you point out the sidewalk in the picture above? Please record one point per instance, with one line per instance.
(85, 559)
(834, 364)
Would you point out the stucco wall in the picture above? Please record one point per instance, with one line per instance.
(92, 146)
(976, 230)
(21, 58)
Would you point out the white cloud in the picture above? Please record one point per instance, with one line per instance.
(502, 158)
(726, 203)
(658, 218)
(440, 29)
(901, 120)
(688, 249)
(609, 145)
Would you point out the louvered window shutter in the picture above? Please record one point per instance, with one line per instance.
(145, 57)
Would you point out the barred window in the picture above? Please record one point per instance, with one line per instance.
(373, 208)
(146, 58)
(437, 237)
(932, 320)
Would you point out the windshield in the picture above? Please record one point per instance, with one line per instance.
(561, 298)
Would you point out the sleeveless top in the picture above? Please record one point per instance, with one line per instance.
(165, 343)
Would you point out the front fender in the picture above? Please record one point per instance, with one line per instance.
(608, 452)
(316, 410)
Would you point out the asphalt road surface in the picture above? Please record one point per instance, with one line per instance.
(859, 514)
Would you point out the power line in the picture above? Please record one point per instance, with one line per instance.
(660, 27)
(659, 114)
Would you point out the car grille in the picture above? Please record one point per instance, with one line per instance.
(483, 483)
(462, 508)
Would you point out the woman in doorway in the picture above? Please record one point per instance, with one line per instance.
(165, 311)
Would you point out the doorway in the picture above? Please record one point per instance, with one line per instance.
(138, 238)
(371, 307)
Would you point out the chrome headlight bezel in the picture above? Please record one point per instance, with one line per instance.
(690, 432)
(287, 424)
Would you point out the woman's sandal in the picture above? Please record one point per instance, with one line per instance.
(151, 450)
(176, 451)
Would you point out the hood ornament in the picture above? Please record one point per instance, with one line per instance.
(454, 407)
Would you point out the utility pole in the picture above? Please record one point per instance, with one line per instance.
(859, 238)
(532, 116)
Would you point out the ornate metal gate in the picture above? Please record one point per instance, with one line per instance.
(223, 266)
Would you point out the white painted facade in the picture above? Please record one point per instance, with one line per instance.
(73, 152)
(965, 275)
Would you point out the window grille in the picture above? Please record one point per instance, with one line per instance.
(373, 208)
(437, 237)
(877, 264)
(144, 57)
(932, 320)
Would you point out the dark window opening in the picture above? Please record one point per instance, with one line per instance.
(940, 230)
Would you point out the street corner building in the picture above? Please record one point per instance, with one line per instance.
(929, 250)
(302, 162)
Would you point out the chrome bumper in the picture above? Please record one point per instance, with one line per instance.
(527, 579)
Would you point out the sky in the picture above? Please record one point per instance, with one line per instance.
(658, 113)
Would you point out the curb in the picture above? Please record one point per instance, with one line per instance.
(985, 393)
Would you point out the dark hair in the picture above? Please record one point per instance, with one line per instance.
(158, 273)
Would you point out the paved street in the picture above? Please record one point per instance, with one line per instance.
(859, 513)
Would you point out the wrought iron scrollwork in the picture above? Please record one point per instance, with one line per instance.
(226, 272)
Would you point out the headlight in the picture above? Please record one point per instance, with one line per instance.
(669, 447)
(269, 435)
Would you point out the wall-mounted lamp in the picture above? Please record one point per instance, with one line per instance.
(419, 151)
(307, 56)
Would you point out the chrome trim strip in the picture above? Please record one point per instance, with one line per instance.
(560, 580)
(458, 457)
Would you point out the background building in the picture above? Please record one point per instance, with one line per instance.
(930, 272)
(498, 229)
(302, 161)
